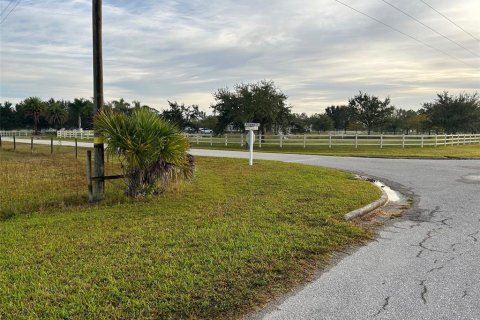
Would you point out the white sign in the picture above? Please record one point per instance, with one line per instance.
(251, 125)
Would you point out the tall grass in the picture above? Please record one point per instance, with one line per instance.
(38, 181)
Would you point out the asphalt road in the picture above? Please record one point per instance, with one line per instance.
(424, 266)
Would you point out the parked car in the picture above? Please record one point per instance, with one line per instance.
(205, 130)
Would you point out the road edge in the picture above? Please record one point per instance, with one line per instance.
(369, 207)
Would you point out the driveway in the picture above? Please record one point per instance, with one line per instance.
(424, 266)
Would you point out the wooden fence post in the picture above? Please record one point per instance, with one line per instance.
(241, 139)
(76, 148)
(403, 141)
(14, 143)
(356, 141)
(198, 139)
(281, 142)
(381, 141)
(89, 175)
(51, 145)
(31, 144)
(304, 141)
(445, 141)
(226, 140)
(422, 141)
(260, 140)
(330, 141)
(211, 139)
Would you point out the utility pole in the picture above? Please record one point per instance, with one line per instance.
(98, 146)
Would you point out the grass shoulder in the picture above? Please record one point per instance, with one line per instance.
(471, 151)
(234, 238)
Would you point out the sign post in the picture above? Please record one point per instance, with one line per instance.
(250, 127)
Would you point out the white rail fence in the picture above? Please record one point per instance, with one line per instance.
(301, 141)
(15, 133)
(82, 134)
(357, 141)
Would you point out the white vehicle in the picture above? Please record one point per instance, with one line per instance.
(205, 130)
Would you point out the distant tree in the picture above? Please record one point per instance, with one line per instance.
(454, 113)
(210, 122)
(56, 112)
(321, 122)
(342, 116)
(260, 102)
(299, 123)
(396, 121)
(120, 106)
(370, 110)
(79, 108)
(7, 116)
(34, 108)
(181, 115)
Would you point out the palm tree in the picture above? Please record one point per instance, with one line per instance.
(78, 108)
(33, 107)
(152, 151)
(56, 113)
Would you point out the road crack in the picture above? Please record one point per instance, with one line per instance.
(472, 235)
(384, 307)
(423, 294)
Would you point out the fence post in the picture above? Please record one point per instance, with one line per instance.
(260, 140)
(31, 144)
(89, 175)
(304, 141)
(14, 143)
(198, 139)
(226, 140)
(330, 141)
(51, 145)
(403, 141)
(356, 141)
(281, 137)
(422, 141)
(445, 142)
(211, 139)
(76, 149)
(0, 140)
(464, 139)
(436, 140)
(241, 139)
(381, 141)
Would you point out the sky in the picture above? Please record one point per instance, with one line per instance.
(318, 52)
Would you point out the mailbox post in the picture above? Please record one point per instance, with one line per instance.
(250, 127)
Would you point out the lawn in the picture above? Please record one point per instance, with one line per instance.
(230, 240)
(439, 152)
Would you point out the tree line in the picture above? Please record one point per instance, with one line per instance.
(262, 102)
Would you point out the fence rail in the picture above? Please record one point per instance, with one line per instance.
(16, 133)
(357, 141)
(82, 134)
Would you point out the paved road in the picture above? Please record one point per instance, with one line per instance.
(426, 266)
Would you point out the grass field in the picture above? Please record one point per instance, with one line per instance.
(232, 239)
(448, 152)
(439, 152)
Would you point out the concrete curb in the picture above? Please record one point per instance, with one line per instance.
(368, 208)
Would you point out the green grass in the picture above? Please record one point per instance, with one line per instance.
(440, 152)
(232, 239)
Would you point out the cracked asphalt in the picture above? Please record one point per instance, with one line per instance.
(423, 266)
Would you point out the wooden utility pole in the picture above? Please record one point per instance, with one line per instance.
(98, 146)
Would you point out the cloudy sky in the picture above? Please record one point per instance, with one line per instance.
(319, 52)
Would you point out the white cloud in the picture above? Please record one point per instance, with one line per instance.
(319, 53)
